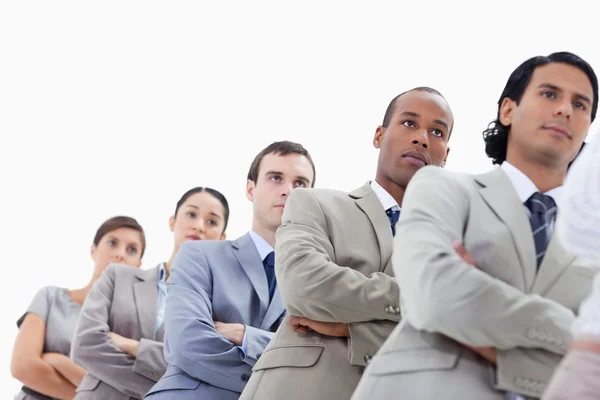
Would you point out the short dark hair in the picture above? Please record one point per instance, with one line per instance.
(496, 134)
(215, 193)
(283, 149)
(118, 222)
(390, 109)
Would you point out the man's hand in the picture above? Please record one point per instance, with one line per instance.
(489, 353)
(233, 332)
(304, 325)
(124, 344)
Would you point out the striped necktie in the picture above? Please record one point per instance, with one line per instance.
(542, 212)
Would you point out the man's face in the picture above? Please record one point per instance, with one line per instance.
(553, 117)
(417, 135)
(277, 177)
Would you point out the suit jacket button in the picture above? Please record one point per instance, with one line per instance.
(397, 310)
(368, 358)
(245, 378)
(389, 309)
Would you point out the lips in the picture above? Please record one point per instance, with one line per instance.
(194, 237)
(558, 129)
(416, 158)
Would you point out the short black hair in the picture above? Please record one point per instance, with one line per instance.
(215, 193)
(390, 109)
(282, 148)
(496, 134)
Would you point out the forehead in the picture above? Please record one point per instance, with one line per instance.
(564, 76)
(427, 105)
(126, 235)
(203, 200)
(291, 164)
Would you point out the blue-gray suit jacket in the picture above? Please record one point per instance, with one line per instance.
(215, 281)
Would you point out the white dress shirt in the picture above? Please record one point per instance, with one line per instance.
(386, 199)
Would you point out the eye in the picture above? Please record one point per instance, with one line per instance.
(549, 94)
(212, 222)
(300, 184)
(438, 133)
(276, 178)
(409, 124)
(191, 214)
(132, 250)
(580, 105)
(111, 243)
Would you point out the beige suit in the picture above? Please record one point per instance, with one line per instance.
(332, 264)
(502, 303)
(123, 300)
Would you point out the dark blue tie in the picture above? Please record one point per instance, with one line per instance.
(393, 215)
(269, 263)
(542, 209)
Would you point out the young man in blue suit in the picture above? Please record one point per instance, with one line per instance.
(223, 305)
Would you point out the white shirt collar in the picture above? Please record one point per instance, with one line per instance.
(261, 244)
(525, 186)
(386, 199)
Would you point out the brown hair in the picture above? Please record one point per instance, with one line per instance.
(118, 222)
(283, 149)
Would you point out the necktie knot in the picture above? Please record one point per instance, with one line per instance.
(540, 203)
(393, 215)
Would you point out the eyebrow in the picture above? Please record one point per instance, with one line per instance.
(415, 115)
(554, 87)
(300, 177)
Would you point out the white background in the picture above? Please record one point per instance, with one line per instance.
(119, 107)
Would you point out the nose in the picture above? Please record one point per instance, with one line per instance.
(200, 225)
(564, 110)
(286, 189)
(421, 138)
(120, 254)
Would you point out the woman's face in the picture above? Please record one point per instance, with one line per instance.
(123, 246)
(200, 217)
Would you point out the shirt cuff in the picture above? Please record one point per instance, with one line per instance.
(244, 346)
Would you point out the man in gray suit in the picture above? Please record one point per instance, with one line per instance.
(333, 262)
(222, 299)
(488, 293)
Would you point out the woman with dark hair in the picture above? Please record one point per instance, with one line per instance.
(40, 357)
(119, 337)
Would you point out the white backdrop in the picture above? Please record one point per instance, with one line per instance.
(119, 107)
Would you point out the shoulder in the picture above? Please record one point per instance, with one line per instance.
(436, 180)
(50, 292)
(199, 247)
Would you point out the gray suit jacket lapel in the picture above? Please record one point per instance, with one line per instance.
(501, 196)
(146, 298)
(276, 308)
(367, 201)
(248, 257)
(554, 263)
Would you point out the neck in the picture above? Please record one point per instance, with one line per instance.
(265, 233)
(79, 295)
(396, 191)
(544, 177)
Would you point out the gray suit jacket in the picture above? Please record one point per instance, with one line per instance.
(502, 303)
(123, 300)
(333, 264)
(215, 281)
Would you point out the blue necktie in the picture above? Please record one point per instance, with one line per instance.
(269, 263)
(542, 210)
(393, 215)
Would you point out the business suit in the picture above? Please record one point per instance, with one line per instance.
(332, 265)
(124, 301)
(503, 302)
(215, 281)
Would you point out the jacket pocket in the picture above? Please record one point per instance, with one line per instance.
(413, 360)
(289, 356)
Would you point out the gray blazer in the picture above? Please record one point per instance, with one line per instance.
(215, 281)
(503, 303)
(123, 300)
(333, 264)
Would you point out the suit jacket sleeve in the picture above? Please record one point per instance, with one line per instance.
(191, 341)
(314, 286)
(94, 350)
(444, 294)
(150, 361)
(256, 342)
